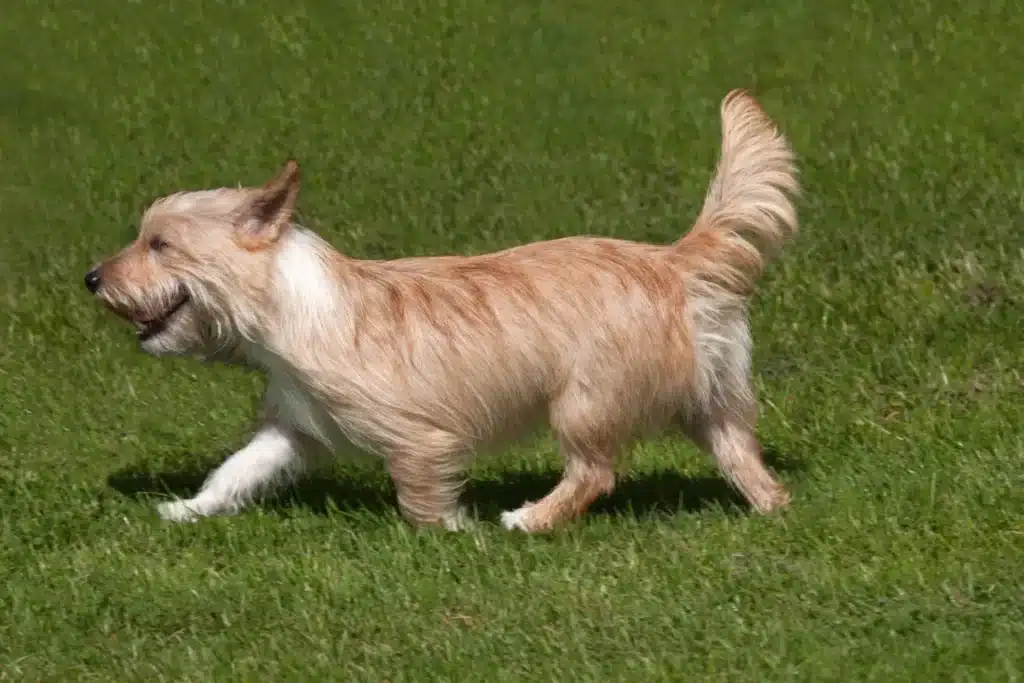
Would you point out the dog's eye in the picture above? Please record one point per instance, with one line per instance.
(157, 244)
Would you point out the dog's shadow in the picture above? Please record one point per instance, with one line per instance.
(639, 494)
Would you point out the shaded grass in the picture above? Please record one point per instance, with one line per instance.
(887, 340)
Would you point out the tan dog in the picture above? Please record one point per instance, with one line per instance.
(423, 361)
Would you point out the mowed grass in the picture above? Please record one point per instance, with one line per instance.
(888, 340)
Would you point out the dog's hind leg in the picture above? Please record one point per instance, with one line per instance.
(274, 454)
(729, 436)
(429, 475)
(589, 440)
(722, 413)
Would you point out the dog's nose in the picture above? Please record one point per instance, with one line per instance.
(92, 280)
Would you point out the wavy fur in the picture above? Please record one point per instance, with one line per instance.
(425, 361)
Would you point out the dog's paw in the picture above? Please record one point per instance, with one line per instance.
(517, 520)
(461, 520)
(177, 511)
(771, 499)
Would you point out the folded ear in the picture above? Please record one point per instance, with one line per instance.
(268, 213)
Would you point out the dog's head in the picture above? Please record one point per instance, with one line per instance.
(192, 279)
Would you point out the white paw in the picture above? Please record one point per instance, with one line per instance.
(516, 520)
(177, 511)
(462, 520)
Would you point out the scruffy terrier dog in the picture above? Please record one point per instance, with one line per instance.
(424, 361)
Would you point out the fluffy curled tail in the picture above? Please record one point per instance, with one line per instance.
(748, 212)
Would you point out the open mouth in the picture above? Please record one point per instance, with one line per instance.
(150, 327)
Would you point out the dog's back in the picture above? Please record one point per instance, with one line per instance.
(651, 331)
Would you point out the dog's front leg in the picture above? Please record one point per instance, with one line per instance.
(274, 453)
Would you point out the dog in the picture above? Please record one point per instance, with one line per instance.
(426, 361)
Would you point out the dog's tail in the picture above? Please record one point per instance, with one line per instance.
(748, 212)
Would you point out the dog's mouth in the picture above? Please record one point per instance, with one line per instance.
(147, 328)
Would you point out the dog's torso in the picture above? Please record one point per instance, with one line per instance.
(476, 349)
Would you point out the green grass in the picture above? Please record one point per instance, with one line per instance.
(888, 340)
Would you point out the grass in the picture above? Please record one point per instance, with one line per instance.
(888, 340)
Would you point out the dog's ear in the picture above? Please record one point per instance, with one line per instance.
(268, 213)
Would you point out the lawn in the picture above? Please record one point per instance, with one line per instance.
(888, 340)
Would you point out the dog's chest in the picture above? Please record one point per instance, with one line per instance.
(291, 401)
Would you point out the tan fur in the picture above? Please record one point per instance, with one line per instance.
(424, 361)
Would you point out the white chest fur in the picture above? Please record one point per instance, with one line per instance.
(291, 402)
(306, 294)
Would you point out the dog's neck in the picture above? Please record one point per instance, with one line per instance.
(304, 300)
(306, 281)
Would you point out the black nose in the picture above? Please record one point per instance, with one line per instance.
(92, 280)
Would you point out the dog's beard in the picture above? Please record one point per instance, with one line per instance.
(175, 333)
(196, 332)
(195, 339)
(155, 325)
(166, 319)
